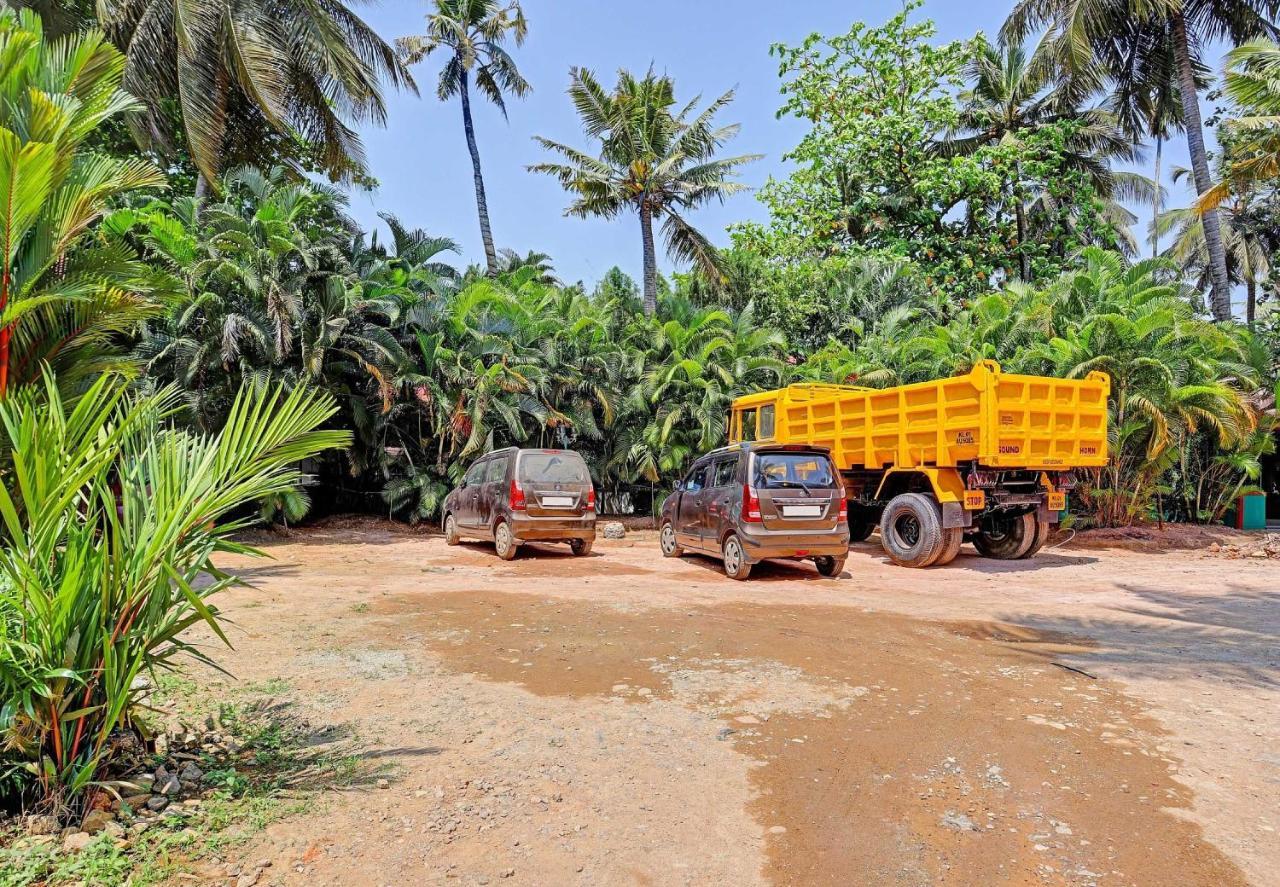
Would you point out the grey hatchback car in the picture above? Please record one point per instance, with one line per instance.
(514, 496)
(750, 502)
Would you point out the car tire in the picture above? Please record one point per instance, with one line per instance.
(862, 523)
(1005, 538)
(950, 546)
(451, 536)
(911, 530)
(667, 541)
(504, 543)
(736, 565)
(1038, 539)
(829, 566)
(580, 547)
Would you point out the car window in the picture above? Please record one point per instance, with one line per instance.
(497, 471)
(475, 473)
(561, 467)
(724, 472)
(696, 480)
(773, 470)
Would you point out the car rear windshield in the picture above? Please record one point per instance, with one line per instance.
(553, 468)
(775, 470)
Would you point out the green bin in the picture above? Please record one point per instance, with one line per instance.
(1251, 512)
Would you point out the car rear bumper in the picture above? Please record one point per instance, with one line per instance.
(553, 529)
(817, 543)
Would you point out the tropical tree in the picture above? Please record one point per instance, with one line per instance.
(1009, 96)
(253, 82)
(1253, 155)
(653, 159)
(66, 297)
(111, 518)
(473, 33)
(1249, 245)
(1097, 42)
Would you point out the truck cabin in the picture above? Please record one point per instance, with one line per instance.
(754, 418)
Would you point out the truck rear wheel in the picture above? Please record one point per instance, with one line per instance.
(911, 530)
(1005, 537)
(950, 546)
(1041, 536)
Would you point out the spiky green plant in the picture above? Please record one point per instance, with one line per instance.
(111, 521)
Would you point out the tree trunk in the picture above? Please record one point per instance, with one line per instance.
(4, 335)
(1155, 201)
(650, 261)
(1024, 268)
(1220, 290)
(1251, 307)
(482, 205)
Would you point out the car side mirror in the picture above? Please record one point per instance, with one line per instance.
(463, 485)
(679, 486)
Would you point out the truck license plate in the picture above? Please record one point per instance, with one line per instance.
(802, 511)
(557, 501)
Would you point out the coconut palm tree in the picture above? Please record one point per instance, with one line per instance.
(1254, 150)
(472, 34)
(65, 298)
(1249, 247)
(1091, 42)
(653, 159)
(251, 79)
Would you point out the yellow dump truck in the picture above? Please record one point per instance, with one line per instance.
(986, 457)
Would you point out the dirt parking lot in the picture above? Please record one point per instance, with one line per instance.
(1090, 717)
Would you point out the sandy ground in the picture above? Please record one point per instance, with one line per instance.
(623, 719)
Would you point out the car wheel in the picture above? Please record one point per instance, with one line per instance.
(504, 543)
(580, 547)
(667, 541)
(1005, 537)
(735, 559)
(911, 530)
(830, 567)
(451, 536)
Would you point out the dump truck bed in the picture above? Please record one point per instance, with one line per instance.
(986, 417)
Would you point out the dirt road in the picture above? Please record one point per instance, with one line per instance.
(622, 719)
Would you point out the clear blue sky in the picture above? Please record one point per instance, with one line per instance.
(708, 46)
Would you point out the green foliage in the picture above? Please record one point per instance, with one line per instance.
(872, 180)
(268, 83)
(111, 519)
(66, 297)
(654, 159)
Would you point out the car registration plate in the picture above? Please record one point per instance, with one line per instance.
(557, 501)
(802, 511)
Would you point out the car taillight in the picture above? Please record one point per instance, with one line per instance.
(750, 505)
(844, 508)
(517, 496)
(591, 499)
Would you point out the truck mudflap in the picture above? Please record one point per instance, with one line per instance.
(954, 515)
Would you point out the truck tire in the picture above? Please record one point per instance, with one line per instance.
(736, 565)
(911, 530)
(950, 546)
(1038, 539)
(1005, 537)
(862, 522)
